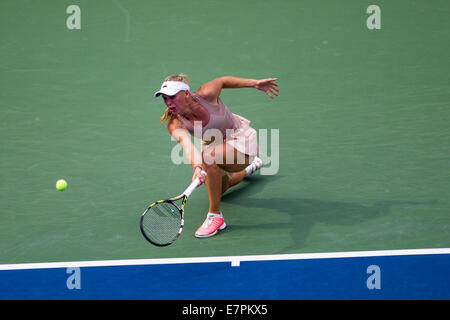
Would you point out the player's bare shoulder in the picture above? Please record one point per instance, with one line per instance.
(210, 91)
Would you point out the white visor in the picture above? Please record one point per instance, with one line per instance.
(171, 88)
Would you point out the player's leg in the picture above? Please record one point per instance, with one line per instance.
(219, 158)
(216, 158)
(231, 180)
(235, 178)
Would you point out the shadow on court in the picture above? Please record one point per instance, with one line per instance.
(305, 213)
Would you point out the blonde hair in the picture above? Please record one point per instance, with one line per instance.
(176, 77)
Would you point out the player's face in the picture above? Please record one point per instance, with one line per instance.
(175, 103)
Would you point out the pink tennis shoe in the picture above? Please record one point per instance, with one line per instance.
(210, 227)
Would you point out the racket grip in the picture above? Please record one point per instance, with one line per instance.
(193, 185)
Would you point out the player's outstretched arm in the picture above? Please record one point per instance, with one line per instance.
(180, 134)
(211, 90)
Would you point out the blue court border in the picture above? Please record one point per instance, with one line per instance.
(398, 275)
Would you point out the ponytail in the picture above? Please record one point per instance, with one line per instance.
(166, 116)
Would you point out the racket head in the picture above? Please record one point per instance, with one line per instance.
(162, 223)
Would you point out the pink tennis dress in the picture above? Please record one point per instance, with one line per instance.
(235, 130)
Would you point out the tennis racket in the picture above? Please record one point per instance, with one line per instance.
(162, 223)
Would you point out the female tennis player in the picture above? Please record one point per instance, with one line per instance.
(229, 145)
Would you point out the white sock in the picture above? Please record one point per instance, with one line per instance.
(253, 167)
(219, 215)
(250, 169)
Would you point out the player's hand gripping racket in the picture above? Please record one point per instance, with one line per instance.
(163, 221)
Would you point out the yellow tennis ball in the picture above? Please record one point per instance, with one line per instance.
(61, 185)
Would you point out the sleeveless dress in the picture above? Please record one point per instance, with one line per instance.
(234, 129)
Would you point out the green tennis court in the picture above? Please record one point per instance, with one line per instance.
(363, 120)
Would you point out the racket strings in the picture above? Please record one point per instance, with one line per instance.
(162, 223)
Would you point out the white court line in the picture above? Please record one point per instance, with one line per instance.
(234, 260)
